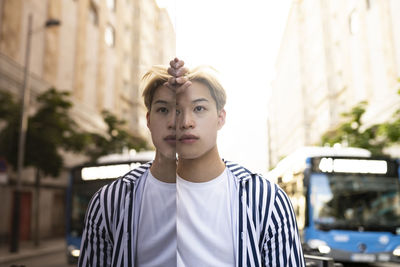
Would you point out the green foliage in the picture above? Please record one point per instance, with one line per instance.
(374, 138)
(391, 129)
(51, 129)
(10, 117)
(116, 139)
(8, 108)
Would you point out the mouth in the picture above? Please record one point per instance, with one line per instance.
(188, 139)
(170, 139)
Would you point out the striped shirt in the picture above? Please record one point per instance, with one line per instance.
(266, 232)
(267, 228)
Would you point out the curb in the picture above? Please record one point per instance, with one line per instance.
(11, 258)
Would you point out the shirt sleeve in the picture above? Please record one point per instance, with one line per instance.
(282, 246)
(96, 247)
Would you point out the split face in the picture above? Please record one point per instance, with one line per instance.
(186, 123)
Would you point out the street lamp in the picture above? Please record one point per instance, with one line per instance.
(23, 128)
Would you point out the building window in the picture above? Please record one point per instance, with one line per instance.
(111, 4)
(354, 22)
(126, 57)
(93, 15)
(368, 4)
(109, 36)
(126, 86)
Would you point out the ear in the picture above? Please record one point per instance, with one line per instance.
(148, 119)
(221, 118)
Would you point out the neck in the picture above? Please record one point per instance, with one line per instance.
(164, 169)
(202, 169)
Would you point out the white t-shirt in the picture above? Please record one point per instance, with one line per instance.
(156, 243)
(204, 223)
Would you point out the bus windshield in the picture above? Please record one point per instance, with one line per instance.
(80, 197)
(355, 202)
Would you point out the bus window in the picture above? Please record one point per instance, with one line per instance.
(354, 201)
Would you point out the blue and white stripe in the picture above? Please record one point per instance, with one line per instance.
(267, 233)
(109, 237)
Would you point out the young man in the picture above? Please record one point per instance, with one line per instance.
(226, 215)
(132, 221)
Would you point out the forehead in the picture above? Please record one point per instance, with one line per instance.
(165, 94)
(195, 91)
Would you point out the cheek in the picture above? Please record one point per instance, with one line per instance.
(210, 128)
(156, 136)
(153, 125)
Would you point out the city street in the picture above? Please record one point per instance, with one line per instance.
(56, 259)
(373, 265)
(265, 130)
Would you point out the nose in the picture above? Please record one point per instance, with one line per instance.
(185, 120)
(172, 121)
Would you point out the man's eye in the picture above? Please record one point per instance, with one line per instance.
(178, 112)
(162, 110)
(199, 108)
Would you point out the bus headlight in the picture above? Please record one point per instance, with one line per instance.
(324, 249)
(396, 251)
(75, 252)
(319, 245)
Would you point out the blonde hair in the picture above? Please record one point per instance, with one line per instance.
(153, 79)
(158, 75)
(202, 74)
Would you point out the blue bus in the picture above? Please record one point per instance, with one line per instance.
(347, 203)
(84, 181)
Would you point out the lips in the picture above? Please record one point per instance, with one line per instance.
(188, 138)
(171, 139)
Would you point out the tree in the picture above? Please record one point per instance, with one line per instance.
(391, 129)
(10, 115)
(49, 130)
(354, 134)
(115, 140)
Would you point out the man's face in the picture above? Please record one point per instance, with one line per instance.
(198, 121)
(161, 122)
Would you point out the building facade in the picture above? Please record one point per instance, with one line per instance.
(98, 54)
(333, 55)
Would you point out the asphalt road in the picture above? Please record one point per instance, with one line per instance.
(58, 259)
(373, 265)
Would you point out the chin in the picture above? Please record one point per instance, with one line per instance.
(189, 155)
(169, 154)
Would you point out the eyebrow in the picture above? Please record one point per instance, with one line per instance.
(200, 100)
(162, 102)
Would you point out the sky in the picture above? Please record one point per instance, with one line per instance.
(240, 39)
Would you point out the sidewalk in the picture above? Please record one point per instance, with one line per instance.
(27, 250)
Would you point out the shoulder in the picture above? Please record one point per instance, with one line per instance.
(239, 172)
(121, 185)
(135, 174)
(256, 184)
(244, 175)
(109, 201)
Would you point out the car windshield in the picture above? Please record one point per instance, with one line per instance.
(356, 202)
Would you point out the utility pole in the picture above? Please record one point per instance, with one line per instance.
(15, 234)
